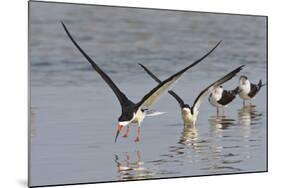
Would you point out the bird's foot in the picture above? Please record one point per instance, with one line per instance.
(125, 135)
(137, 139)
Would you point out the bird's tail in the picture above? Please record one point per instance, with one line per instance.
(151, 113)
(261, 84)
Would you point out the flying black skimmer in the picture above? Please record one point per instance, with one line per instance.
(189, 114)
(247, 90)
(220, 98)
(135, 112)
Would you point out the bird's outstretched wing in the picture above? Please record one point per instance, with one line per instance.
(211, 87)
(171, 92)
(119, 94)
(150, 98)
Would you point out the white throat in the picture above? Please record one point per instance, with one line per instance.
(217, 93)
(245, 86)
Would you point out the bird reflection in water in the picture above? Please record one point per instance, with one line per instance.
(218, 134)
(129, 169)
(222, 160)
(248, 115)
(219, 123)
(187, 146)
(189, 134)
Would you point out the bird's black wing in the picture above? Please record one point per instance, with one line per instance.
(210, 88)
(254, 90)
(150, 98)
(171, 92)
(119, 94)
(227, 97)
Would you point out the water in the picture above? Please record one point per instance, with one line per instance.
(74, 113)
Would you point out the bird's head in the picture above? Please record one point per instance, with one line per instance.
(123, 121)
(243, 80)
(218, 90)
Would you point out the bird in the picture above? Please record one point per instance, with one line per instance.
(190, 113)
(220, 97)
(131, 112)
(248, 90)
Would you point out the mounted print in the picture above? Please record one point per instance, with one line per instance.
(121, 94)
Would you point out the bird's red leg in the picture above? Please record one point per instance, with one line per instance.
(127, 132)
(138, 136)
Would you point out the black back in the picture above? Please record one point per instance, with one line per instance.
(128, 112)
(255, 88)
(227, 97)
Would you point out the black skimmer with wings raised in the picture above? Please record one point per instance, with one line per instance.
(135, 112)
(220, 98)
(248, 90)
(189, 114)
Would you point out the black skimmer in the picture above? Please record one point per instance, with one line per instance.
(135, 112)
(189, 114)
(220, 98)
(247, 90)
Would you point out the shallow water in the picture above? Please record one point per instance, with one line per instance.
(74, 113)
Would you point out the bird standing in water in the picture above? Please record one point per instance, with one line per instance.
(248, 90)
(220, 98)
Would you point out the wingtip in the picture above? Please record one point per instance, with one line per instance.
(141, 65)
(238, 69)
(219, 43)
(216, 45)
(63, 25)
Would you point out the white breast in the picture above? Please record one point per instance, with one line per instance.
(139, 116)
(188, 118)
(216, 96)
(213, 101)
(245, 90)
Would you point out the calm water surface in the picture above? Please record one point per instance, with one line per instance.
(74, 113)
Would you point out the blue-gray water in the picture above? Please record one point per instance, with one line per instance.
(74, 113)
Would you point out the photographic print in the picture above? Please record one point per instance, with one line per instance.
(122, 93)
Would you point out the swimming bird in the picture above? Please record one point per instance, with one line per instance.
(135, 112)
(248, 90)
(220, 97)
(189, 114)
